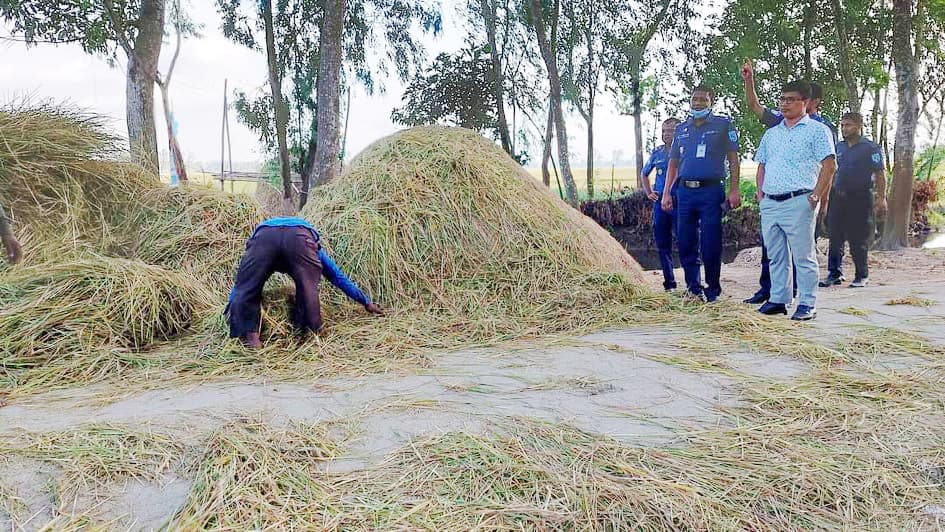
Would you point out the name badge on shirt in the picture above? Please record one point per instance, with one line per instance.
(700, 151)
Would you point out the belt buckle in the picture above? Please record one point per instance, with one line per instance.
(692, 184)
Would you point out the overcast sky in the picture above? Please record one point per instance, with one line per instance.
(66, 73)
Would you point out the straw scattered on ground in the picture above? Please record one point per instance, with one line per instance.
(855, 311)
(857, 447)
(912, 300)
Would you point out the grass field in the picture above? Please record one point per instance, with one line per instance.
(209, 181)
(610, 181)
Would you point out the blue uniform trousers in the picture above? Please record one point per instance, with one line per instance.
(664, 225)
(699, 218)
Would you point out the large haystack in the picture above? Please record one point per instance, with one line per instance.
(114, 258)
(438, 224)
(444, 218)
(70, 193)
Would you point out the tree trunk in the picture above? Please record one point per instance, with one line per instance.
(275, 85)
(843, 47)
(327, 163)
(933, 162)
(308, 165)
(555, 82)
(546, 153)
(590, 148)
(896, 229)
(488, 16)
(884, 130)
(874, 118)
(549, 128)
(637, 126)
(177, 160)
(591, 93)
(143, 55)
(808, 23)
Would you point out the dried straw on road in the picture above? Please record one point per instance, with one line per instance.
(831, 451)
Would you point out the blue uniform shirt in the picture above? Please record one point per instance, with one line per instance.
(856, 165)
(659, 159)
(773, 117)
(330, 269)
(702, 150)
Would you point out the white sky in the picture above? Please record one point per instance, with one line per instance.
(66, 73)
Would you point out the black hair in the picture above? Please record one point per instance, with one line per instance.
(799, 87)
(853, 117)
(816, 91)
(706, 89)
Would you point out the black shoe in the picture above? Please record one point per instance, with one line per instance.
(757, 299)
(669, 287)
(830, 280)
(804, 313)
(770, 309)
(711, 298)
(859, 282)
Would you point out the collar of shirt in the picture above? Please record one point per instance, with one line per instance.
(805, 120)
(711, 118)
(847, 144)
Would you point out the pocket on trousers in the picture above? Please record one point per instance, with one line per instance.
(309, 242)
(764, 204)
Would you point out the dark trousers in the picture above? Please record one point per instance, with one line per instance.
(765, 279)
(289, 250)
(849, 219)
(699, 226)
(664, 225)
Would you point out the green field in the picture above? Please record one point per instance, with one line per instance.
(611, 181)
(608, 181)
(208, 180)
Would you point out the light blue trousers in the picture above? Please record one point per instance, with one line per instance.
(788, 230)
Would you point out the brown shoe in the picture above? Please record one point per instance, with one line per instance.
(251, 340)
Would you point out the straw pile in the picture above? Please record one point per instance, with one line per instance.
(437, 224)
(54, 309)
(115, 260)
(462, 247)
(440, 218)
(830, 451)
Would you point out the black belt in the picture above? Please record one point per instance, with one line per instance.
(788, 195)
(700, 183)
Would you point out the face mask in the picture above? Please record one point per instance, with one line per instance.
(700, 114)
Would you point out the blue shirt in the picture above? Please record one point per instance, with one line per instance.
(702, 149)
(659, 159)
(856, 165)
(793, 156)
(330, 269)
(773, 117)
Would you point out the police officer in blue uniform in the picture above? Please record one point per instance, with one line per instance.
(701, 146)
(664, 223)
(860, 171)
(771, 117)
